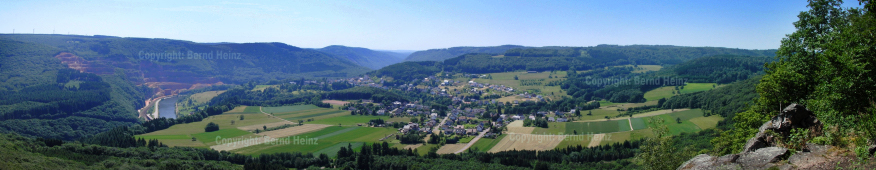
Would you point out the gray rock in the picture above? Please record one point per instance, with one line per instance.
(702, 161)
(793, 116)
(706, 162)
(762, 158)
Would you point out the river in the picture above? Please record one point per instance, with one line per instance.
(167, 107)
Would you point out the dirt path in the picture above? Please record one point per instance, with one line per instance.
(630, 121)
(472, 142)
(597, 138)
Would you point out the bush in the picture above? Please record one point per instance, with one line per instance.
(211, 127)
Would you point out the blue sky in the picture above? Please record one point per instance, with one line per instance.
(419, 25)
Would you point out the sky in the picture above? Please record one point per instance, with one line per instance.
(419, 24)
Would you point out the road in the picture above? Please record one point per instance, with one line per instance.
(472, 142)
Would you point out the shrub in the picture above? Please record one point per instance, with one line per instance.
(211, 127)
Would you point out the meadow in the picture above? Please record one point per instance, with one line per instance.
(507, 79)
(593, 127)
(669, 120)
(285, 109)
(485, 144)
(697, 87)
(328, 140)
(658, 93)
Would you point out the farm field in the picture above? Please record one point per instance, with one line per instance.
(575, 140)
(662, 92)
(598, 114)
(707, 122)
(294, 130)
(485, 144)
(196, 99)
(210, 137)
(611, 138)
(332, 151)
(223, 120)
(236, 110)
(450, 148)
(647, 68)
(333, 136)
(507, 79)
(164, 137)
(638, 123)
(685, 126)
(554, 128)
(261, 126)
(348, 120)
(696, 87)
(286, 109)
(592, 127)
(527, 142)
(623, 125)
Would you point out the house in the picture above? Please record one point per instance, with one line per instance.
(471, 131)
(409, 127)
(551, 119)
(381, 112)
(515, 117)
(532, 117)
(562, 120)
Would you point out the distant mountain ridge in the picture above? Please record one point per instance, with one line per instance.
(364, 57)
(443, 54)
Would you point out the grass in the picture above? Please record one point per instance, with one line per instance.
(348, 120)
(223, 120)
(696, 87)
(332, 151)
(592, 127)
(638, 123)
(575, 140)
(485, 144)
(208, 137)
(315, 115)
(262, 87)
(148, 137)
(507, 79)
(466, 139)
(329, 137)
(252, 109)
(598, 113)
(657, 94)
(707, 122)
(608, 103)
(647, 68)
(554, 128)
(623, 125)
(285, 109)
(669, 120)
(620, 137)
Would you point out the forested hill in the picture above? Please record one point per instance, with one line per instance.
(68, 87)
(164, 60)
(585, 58)
(443, 54)
(363, 56)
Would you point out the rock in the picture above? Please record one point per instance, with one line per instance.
(793, 116)
(762, 158)
(706, 162)
(816, 157)
(872, 150)
(702, 161)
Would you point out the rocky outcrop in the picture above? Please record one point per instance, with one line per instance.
(793, 116)
(760, 152)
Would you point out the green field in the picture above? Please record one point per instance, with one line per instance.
(252, 109)
(638, 123)
(148, 137)
(554, 128)
(662, 92)
(707, 122)
(262, 87)
(348, 120)
(466, 139)
(598, 114)
(223, 120)
(329, 137)
(208, 137)
(592, 127)
(332, 151)
(507, 79)
(607, 103)
(620, 137)
(485, 144)
(316, 115)
(623, 125)
(685, 126)
(285, 109)
(696, 87)
(575, 140)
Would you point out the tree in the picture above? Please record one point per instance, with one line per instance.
(414, 120)
(241, 117)
(515, 77)
(300, 122)
(589, 113)
(211, 127)
(658, 152)
(607, 118)
(678, 120)
(265, 127)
